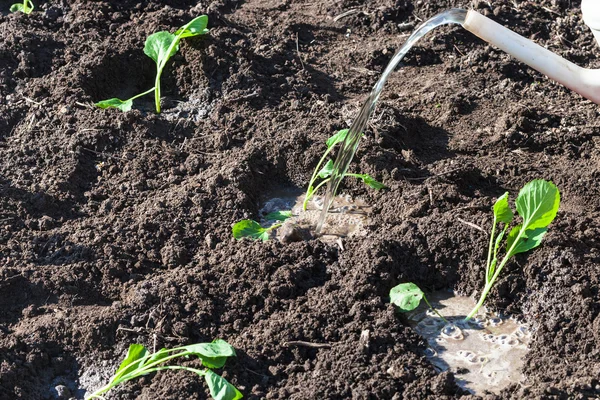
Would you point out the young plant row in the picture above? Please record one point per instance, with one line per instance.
(537, 205)
(322, 174)
(140, 362)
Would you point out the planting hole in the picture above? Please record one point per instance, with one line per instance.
(346, 217)
(488, 351)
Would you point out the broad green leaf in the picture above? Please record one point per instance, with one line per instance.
(337, 138)
(219, 388)
(123, 105)
(502, 211)
(195, 27)
(157, 47)
(326, 171)
(369, 181)
(251, 229)
(17, 7)
(159, 355)
(531, 239)
(538, 204)
(135, 353)
(278, 215)
(407, 296)
(213, 355)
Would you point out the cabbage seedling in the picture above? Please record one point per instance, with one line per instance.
(253, 230)
(139, 362)
(537, 205)
(25, 7)
(408, 296)
(325, 172)
(160, 47)
(123, 105)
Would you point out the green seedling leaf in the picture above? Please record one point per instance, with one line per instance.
(502, 210)
(278, 215)
(135, 353)
(538, 204)
(369, 181)
(219, 388)
(326, 171)
(407, 296)
(251, 229)
(123, 105)
(25, 7)
(339, 137)
(195, 27)
(213, 355)
(138, 363)
(158, 356)
(158, 47)
(529, 240)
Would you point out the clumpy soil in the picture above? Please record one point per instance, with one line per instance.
(115, 228)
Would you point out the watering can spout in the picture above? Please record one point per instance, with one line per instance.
(586, 82)
(591, 16)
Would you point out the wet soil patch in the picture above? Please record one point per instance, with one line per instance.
(116, 228)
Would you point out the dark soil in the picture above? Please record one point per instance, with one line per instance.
(116, 228)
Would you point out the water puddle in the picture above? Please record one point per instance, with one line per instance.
(346, 219)
(485, 354)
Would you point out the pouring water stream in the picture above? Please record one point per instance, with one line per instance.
(583, 81)
(350, 144)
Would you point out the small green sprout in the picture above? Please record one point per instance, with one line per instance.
(408, 296)
(325, 172)
(139, 362)
(160, 47)
(25, 7)
(537, 204)
(253, 230)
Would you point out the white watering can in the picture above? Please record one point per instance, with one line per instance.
(584, 81)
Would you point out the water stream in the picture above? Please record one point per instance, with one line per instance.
(350, 144)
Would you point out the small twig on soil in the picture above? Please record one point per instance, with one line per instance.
(84, 105)
(298, 51)
(308, 344)
(345, 14)
(550, 11)
(463, 54)
(120, 328)
(27, 99)
(472, 225)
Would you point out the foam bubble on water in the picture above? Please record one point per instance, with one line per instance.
(451, 331)
(487, 351)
